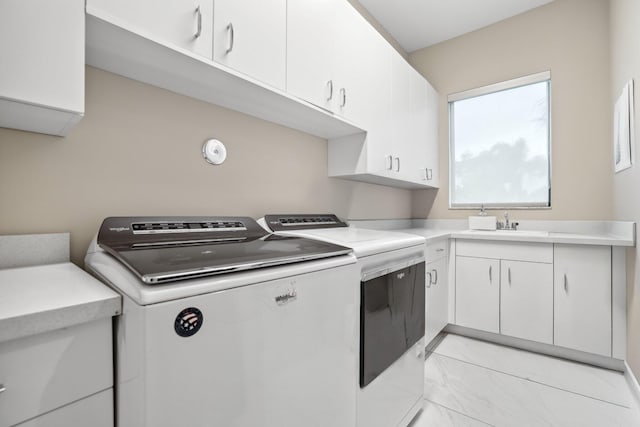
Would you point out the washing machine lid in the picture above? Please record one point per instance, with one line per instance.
(330, 228)
(165, 249)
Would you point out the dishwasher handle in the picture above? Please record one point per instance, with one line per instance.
(390, 269)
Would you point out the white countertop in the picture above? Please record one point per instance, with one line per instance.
(48, 297)
(609, 233)
(547, 237)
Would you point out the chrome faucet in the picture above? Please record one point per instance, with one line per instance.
(506, 225)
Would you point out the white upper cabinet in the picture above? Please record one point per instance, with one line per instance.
(42, 71)
(310, 53)
(334, 58)
(187, 24)
(428, 108)
(400, 115)
(250, 36)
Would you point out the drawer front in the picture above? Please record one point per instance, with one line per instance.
(46, 371)
(515, 251)
(437, 250)
(94, 411)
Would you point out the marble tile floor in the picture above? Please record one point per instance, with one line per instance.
(474, 383)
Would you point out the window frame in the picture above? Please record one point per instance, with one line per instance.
(485, 90)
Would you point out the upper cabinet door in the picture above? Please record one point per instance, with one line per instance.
(250, 37)
(187, 24)
(310, 54)
(428, 119)
(42, 65)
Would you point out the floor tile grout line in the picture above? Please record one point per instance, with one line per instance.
(535, 382)
(459, 413)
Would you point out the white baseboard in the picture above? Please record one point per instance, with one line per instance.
(632, 381)
(535, 347)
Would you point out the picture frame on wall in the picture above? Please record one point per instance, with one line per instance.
(623, 129)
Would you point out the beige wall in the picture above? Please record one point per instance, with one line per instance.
(625, 65)
(568, 37)
(137, 151)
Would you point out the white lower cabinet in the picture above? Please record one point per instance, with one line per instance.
(50, 371)
(560, 294)
(526, 300)
(478, 293)
(437, 294)
(582, 291)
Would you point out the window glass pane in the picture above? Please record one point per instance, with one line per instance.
(500, 148)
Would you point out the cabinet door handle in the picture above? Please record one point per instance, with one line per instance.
(435, 273)
(397, 164)
(232, 37)
(440, 250)
(509, 274)
(2, 388)
(389, 162)
(490, 269)
(199, 22)
(566, 285)
(429, 282)
(330, 86)
(430, 174)
(343, 94)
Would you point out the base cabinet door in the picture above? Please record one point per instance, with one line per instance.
(437, 294)
(582, 292)
(478, 293)
(526, 300)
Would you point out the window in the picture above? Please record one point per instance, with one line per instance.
(499, 140)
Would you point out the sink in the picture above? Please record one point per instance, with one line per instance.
(523, 233)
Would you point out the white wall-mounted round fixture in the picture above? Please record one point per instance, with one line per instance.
(214, 152)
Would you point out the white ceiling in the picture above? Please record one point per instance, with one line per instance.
(420, 23)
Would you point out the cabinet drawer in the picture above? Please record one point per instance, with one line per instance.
(94, 411)
(46, 371)
(437, 250)
(515, 251)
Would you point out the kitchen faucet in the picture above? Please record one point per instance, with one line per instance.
(506, 225)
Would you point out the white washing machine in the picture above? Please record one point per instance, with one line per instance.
(226, 325)
(391, 265)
